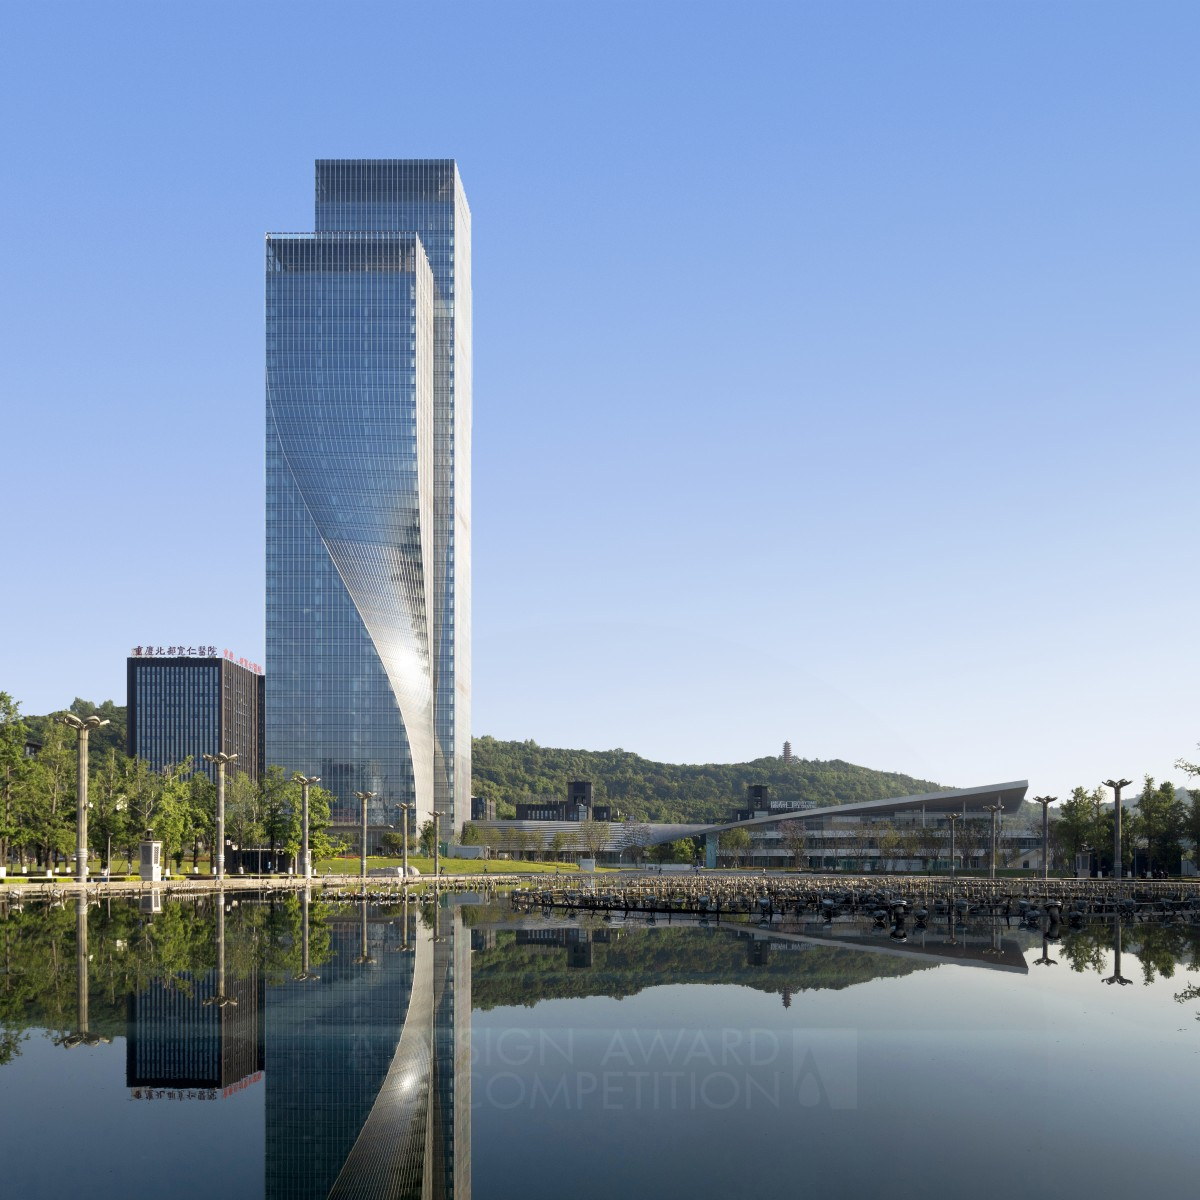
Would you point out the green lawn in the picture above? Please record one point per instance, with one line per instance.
(451, 866)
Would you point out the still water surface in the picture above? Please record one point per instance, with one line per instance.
(286, 1048)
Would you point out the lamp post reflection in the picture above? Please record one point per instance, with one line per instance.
(80, 1035)
(1116, 976)
(950, 914)
(305, 960)
(219, 998)
(1046, 960)
(364, 956)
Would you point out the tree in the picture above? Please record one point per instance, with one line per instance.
(932, 842)
(593, 837)
(973, 838)
(392, 844)
(46, 808)
(320, 805)
(1077, 823)
(425, 838)
(243, 811)
(795, 837)
(13, 767)
(171, 817)
(1161, 821)
(637, 838)
(735, 844)
(200, 814)
(280, 811)
(859, 835)
(682, 850)
(887, 838)
(108, 794)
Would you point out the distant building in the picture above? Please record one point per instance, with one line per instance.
(193, 701)
(787, 752)
(758, 802)
(579, 792)
(543, 810)
(578, 806)
(482, 810)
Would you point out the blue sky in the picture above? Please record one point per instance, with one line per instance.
(835, 364)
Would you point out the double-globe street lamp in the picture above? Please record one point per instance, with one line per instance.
(305, 782)
(220, 760)
(82, 726)
(364, 797)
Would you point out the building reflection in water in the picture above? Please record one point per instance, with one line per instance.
(368, 1067)
(196, 1035)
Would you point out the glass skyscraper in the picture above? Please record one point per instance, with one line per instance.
(369, 492)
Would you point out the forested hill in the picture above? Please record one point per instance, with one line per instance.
(641, 789)
(652, 791)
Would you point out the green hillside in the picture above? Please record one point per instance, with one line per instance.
(652, 791)
(641, 789)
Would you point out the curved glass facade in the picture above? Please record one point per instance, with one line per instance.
(368, 492)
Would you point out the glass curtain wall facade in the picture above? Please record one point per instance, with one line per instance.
(182, 708)
(368, 489)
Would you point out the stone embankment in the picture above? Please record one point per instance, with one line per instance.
(777, 896)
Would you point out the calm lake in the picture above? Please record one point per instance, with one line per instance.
(287, 1046)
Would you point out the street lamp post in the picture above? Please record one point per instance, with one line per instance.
(364, 797)
(995, 810)
(953, 819)
(305, 782)
(1116, 785)
(404, 808)
(82, 726)
(1045, 802)
(221, 760)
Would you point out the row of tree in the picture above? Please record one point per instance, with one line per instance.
(127, 800)
(1154, 834)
